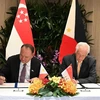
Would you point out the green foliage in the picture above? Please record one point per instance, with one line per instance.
(2, 60)
(48, 20)
(85, 15)
(48, 23)
(51, 89)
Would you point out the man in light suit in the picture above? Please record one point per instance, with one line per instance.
(87, 68)
(12, 71)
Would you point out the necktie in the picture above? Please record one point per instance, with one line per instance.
(78, 68)
(23, 73)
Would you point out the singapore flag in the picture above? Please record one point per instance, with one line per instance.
(21, 32)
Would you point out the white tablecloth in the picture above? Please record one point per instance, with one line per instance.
(8, 92)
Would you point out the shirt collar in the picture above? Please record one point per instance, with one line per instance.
(28, 63)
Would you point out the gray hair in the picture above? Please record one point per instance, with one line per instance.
(83, 44)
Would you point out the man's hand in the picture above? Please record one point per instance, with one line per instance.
(75, 81)
(32, 79)
(2, 80)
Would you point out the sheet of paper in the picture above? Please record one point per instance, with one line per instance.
(15, 85)
(92, 85)
(78, 86)
(23, 85)
(7, 85)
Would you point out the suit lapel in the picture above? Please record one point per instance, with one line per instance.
(32, 70)
(74, 65)
(15, 73)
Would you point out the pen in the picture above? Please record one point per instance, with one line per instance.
(82, 86)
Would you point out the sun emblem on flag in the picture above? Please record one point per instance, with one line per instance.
(68, 30)
(43, 70)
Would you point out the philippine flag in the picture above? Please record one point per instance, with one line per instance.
(74, 31)
(43, 72)
(21, 32)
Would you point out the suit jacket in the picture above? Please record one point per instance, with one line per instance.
(11, 70)
(87, 71)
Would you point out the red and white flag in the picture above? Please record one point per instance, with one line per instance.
(43, 72)
(21, 32)
(74, 31)
(68, 73)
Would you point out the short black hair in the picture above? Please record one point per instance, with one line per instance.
(28, 46)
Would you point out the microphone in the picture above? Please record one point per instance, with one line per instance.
(17, 88)
(16, 85)
(85, 89)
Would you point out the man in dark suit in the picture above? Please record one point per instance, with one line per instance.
(83, 65)
(12, 71)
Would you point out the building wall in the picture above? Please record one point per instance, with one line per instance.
(93, 28)
(4, 7)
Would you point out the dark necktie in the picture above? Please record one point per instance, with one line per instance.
(23, 73)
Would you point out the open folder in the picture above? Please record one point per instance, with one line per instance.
(89, 86)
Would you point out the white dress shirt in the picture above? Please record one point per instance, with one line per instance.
(27, 77)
